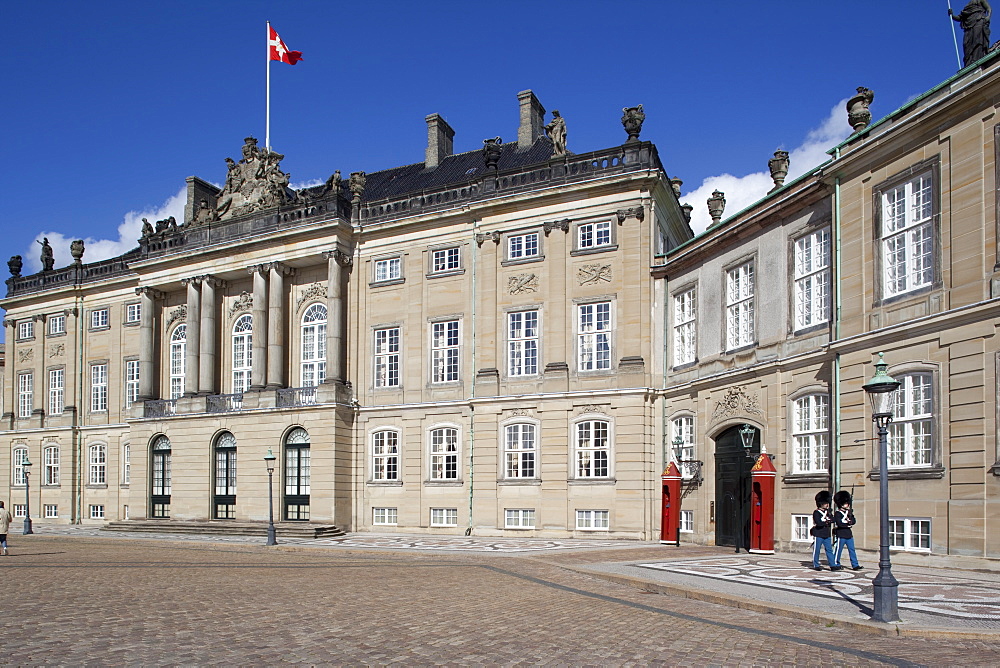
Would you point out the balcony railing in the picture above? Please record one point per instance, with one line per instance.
(296, 396)
(224, 403)
(157, 408)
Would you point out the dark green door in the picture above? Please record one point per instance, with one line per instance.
(732, 487)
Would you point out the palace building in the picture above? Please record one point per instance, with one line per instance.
(518, 340)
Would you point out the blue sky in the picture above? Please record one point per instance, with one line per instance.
(111, 105)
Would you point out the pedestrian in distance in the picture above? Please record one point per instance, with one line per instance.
(843, 519)
(5, 520)
(821, 531)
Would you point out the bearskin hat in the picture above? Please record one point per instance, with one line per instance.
(842, 498)
(822, 497)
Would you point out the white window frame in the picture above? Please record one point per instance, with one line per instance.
(242, 362)
(740, 292)
(99, 388)
(686, 523)
(800, 528)
(25, 394)
(20, 512)
(19, 456)
(446, 339)
(57, 391)
(26, 329)
(97, 464)
(593, 520)
(444, 517)
(133, 313)
(313, 337)
(907, 235)
(811, 434)
(911, 432)
(99, 318)
(685, 332)
(592, 439)
(97, 511)
(523, 246)
(131, 382)
(385, 516)
(57, 324)
(126, 464)
(683, 426)
(51, 511)
(523, 334)
(388, 269)
(812, 279)
(595, 323)
(594, 235)
(50, 465)
(178, 353)
(907, 534)
(520, 448)
(445, 260)
(519, 518)
(444, 453)
(386, 357)
(385, 455)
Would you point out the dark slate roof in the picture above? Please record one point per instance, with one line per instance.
(452, 170)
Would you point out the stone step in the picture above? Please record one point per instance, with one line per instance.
(226, 528)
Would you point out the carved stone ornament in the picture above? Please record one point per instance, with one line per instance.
(556, 225)
(339, 256)
(179, 313)
(57, 350)
(242, 303)
(254, 183)
(779, 168)
(76, 250)
(736, 402)
(676, 184)
(14, 264)
(494, 235)
(491, 152)
(592, 409)
(556, 130)
(357, 185)
(315, 291)
(632, 120)
(522, 283)
(47, 258)
(716, 205)
(25, 354)
(594, 273)
(858, 115)
(518, 412)
(636, 212)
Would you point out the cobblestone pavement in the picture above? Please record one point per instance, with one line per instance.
(80, 600)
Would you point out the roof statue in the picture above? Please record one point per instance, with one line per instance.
(48, 261)
(975, 20)
(632, 121)
(255, 182)
(556, 130)
(858, 113)
(14, 264)
(76, 250)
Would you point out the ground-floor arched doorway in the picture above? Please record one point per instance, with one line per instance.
(733, 462)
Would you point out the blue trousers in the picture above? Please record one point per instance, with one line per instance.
(849, 544)
(827, 544)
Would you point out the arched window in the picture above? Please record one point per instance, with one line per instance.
(444, 453)
(297, 474)
(683, 428)
(385, 455)
(160, 473)
(20, 456)
(50, 462)
(912, 427)
(593, 449)
(520, 446)
(811, 434)
(242, 352)
(225, 476)
(178, 349)
(314, 345)
(98, 464)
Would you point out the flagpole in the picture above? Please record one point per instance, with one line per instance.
(953, 37)
(267, 64)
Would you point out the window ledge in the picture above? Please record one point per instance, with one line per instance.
(385, 483)
(805, 478)
(90, 486)
(522, 260)
(592, 481)
(922, 473)
(591, 251)
(382, 284)
(53, 335)
(443, 483)
(442, 274)
(102, 328)
(520, 482)
(134, 323)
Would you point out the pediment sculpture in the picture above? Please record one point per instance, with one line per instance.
(254, 183)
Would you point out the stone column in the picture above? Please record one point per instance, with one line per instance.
(147, 342)
(209, 336)
(193, 345)
(258, 368)
(337, 262)
(276, 325)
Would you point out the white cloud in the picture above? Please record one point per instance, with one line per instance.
(101, 249)
(742, 191)
(311, 183)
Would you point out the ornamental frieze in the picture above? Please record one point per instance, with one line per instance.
(592, 409)
(57, 350)
(522, 283)
(243, 303)
(179, 313)
(25, 354)
(315, 291)
(594, 273)
(518, 412)
(736, 402)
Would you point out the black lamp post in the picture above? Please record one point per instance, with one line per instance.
(269, 462)
(880, 391)
(747, 433)
(678, 442)
(27, 498)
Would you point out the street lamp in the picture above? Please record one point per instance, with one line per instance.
(26, 465)
(880, 391)
(269, 462)
(747, 433)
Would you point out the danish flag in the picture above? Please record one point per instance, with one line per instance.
(278, 50)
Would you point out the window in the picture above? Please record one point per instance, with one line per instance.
(50, 464)
(26, 329)
(178, 349)
(800, 528)
(57, 324)
(97, 512)
(225, 477)
(444, 453)
(126, 464)
(131, 382)
(98, 388)
(445, 259)
(19, 511)
(812, 279)
(910, 534)
(522, 246)
(444, 517)
(20, 456)
(298, 475)
(25, 394)
(522, 343)
(384, 516)
(387, 357)
(390, 269)
(593, 235)
(739, 306)
(810, 434)
(592, 520)
(314, 345)
(687, 521)
(57, 391)
(908, 236)
(99, 318)
(444, 351)
(51, 511)
(519, 451)
(160, 473)
(593, 449)
(911, 429)
(683, 428)
(98, 465)
(519, 518)
(385, 455)
(684, 331)
(594, 336)
(242, 353)
(133, 313)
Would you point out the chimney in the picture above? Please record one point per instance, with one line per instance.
(532, 119)
(440, 140)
